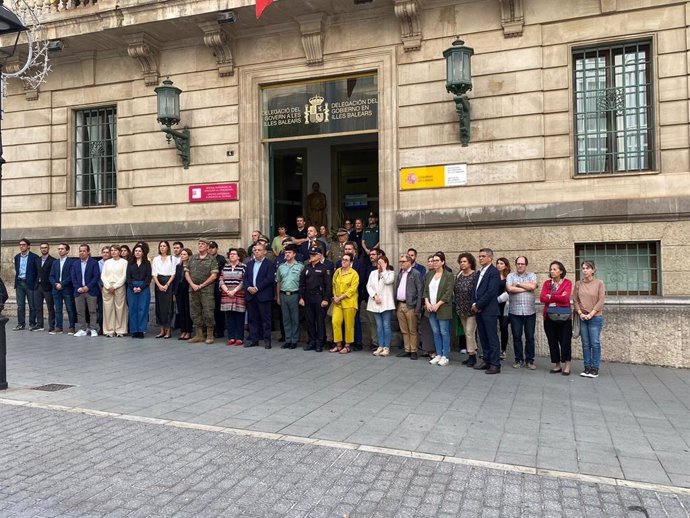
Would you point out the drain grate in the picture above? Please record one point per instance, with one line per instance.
(52, 387)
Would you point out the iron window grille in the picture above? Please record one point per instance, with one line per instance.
(613, 109)
(630, 268)
(95, 162)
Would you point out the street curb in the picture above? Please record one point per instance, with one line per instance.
(593, 479)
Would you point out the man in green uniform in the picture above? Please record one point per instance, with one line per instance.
(201, 274)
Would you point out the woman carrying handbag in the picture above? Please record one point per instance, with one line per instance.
(558, 324)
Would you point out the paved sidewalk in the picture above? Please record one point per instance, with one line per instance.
(632, 423)
(73, 465)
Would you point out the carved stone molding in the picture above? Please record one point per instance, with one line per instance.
(13, 66)
(407, 12)
(609, 6)
(218, 41)
(311, 27)
(512, 17)
(145, 49)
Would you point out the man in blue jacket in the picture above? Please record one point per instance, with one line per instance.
(63, 291)
(485, 306)
(259, 292)
(25, 283)
(85, 277)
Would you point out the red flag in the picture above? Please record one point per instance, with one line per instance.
(261, 5)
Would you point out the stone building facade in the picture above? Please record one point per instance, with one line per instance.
(579, 135)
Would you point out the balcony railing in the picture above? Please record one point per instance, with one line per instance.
(53, 6)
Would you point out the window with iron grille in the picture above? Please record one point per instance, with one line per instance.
(613, 109)
(95, 157)
(625, 268)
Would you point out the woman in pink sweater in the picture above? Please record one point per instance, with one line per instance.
(589, 306)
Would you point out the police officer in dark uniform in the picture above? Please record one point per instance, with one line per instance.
(315, 292)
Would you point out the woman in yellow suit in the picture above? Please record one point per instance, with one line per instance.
(345, 304)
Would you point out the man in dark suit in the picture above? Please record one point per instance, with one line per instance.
(25, 282)
(259, 282)
(485, 306)
(85, 277)
(63, 291)
(44, 290)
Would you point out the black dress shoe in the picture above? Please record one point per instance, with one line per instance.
(413, 356)
(292, 346)
(404, 355)
(481, 367)
(267, 346)
(471, 358)
(252, 344)
(286, 345)
(357, 347)
(308, 347)
(319, 348)
(493, 369)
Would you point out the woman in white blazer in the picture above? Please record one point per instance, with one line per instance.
(382, 303)
(113, 277)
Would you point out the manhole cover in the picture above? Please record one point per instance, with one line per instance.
(52, 387)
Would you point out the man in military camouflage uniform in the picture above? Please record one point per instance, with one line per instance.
(201, 274)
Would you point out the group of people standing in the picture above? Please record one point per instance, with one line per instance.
(341, 301)
(510, 298)
(109, 296)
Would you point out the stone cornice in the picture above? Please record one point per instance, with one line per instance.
(217, 40)
(145, 49)
(548, 214)
(108, 232)
(408, 12)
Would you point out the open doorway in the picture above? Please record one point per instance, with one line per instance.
(345, 170)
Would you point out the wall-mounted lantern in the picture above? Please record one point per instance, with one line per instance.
(169, 115)
(459, 82)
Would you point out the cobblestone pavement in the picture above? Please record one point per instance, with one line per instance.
(630, 424)
(69, 464)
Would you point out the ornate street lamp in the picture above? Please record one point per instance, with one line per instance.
(168, 97)
(459, 82)
(9, 24)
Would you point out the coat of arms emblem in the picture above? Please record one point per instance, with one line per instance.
(316, 111)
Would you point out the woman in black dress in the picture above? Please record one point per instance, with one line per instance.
(503, 266)
(163, 271)
(181, 295)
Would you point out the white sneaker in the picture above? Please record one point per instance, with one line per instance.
(435, 360)
(463, 351)
(94, 332)
(81, 332)
(443, 361)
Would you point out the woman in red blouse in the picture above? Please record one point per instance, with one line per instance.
(559, 329)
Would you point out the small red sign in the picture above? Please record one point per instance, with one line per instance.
(213, 192)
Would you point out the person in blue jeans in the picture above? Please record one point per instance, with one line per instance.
(381, 303)
(138, 292)
(589, 297)
(438, 297)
